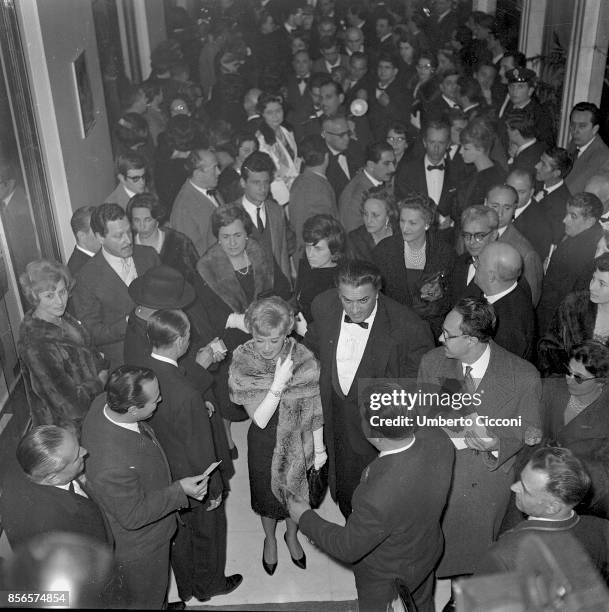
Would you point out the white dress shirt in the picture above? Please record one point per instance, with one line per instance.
(206, 193)
(123, 266)
(491, 299)
(158, 357)
(252, 210)
(374, 182)
(479, 366)
(434, 179)
(342, 161)
(350, 348)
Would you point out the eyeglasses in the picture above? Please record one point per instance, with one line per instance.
(137, 178)
(579, 379)
(395, 139)
(477, 237)
(425, 66)
(448, 336)
(339, 134)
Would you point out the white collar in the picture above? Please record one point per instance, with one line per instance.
(501, 230)
(554, 187)
(372, 179)
(369, 320)
(85, 251)
(582, 149)
(525, 145)
(128, 191)
(386, 36)
(440, 17)
(9, 197)
(428, 162)
(471, 106)
(540, 518)
(158, 357)
(491, 299)
(113, 260)
(397, 450)
(520, 210)
(479, 366)
(131, 426)
(450, 102)
(203, 190)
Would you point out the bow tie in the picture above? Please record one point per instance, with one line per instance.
(211, 193)
(438, 167)
(362, 324)
(304, 80)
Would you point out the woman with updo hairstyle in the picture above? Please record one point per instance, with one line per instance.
(62, 370)
(229, 181)
(276, 379)
(379, 216)
(131, 133)
(325, 247)
(576, 416)
(415, 264)
(279, 143)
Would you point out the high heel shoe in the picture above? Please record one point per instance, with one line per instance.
(302, 562)
(269, 568)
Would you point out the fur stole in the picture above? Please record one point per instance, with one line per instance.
(300, 413)
(218, 273)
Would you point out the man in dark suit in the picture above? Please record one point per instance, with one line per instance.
(506, 387)
(331, 57)
(430, 174)
(87, 243)
(128, 473)
(530, 219)
(268, 218)
(182, 425)
(497, 274)
(311, 193)
(358, 80)
(436, 109)
(132, 173)
(44, 494)
(197, 200)
(379, 168)
(358, 333)
(523, 146)
(442, 24)
(393, 533)
(573, 257)
(551, 484)
(100, 298)
(589, 152)
(553, 166)
(299, 99)
(345, 158)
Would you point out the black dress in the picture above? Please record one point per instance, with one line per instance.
(310, 283)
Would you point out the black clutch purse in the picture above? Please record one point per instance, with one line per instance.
(318, 484)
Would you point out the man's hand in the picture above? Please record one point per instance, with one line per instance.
(195, 486)
(205, 357)
(210, 408)
(474, 441)
(296, 505)
(214, 503)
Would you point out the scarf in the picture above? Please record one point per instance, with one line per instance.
(300, 413)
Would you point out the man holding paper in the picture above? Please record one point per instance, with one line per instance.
(128, 474)
(507, 387)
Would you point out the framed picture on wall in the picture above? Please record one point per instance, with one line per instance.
(84, 94)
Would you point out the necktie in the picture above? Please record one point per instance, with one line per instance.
(211, 193)
(438, 167)
(362, 324)
(126, 264)
(71, 487)
(470, 384)
(259, 223)
(577, 152)
(288, 148)
(146, 431)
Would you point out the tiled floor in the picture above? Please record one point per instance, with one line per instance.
(324, 578)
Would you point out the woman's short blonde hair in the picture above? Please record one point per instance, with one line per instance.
(43, 275)
(267, 315)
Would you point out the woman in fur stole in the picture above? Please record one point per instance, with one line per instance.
(235, 272)
(277, 381)
(60, 365)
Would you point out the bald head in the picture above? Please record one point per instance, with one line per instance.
(599, 186)
(499, 267)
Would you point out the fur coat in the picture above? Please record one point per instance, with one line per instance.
(300, 412)
(60, 370)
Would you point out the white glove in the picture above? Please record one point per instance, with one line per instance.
(320, 459)
(301, 325)
(283, 372)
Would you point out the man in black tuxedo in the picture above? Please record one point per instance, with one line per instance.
(550, 171)
(448, 84)
(530, 219)
(358, 333)
(299, 99)
(87, 243)
(358, 81)
(345, 157)
(430, 174)
(183, 426)
(393, 533)
(46, 492)
(497, 274)
(101, 299)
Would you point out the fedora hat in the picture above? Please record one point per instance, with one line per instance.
(161, 287)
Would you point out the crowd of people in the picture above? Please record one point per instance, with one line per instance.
(315, 207)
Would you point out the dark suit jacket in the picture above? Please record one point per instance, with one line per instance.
(591, 532)
(381, 117)
(394, 530)
(440, 32)
(544, 127)
(311, 194)
(351, 199)
(129, 475)
(119, 196)
(516, 323)
(29, 509)
(555, 207)
(510, 388)
(77, 260)
(102, 301)
(535, 225)
(459, 288)
(411, 177)
(398, 339)
(300, 105)
(594, 160)
(572, 259)
(335, 174)
(528, 158)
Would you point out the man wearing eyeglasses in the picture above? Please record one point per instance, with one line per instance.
(131, 173)
(506, 387)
